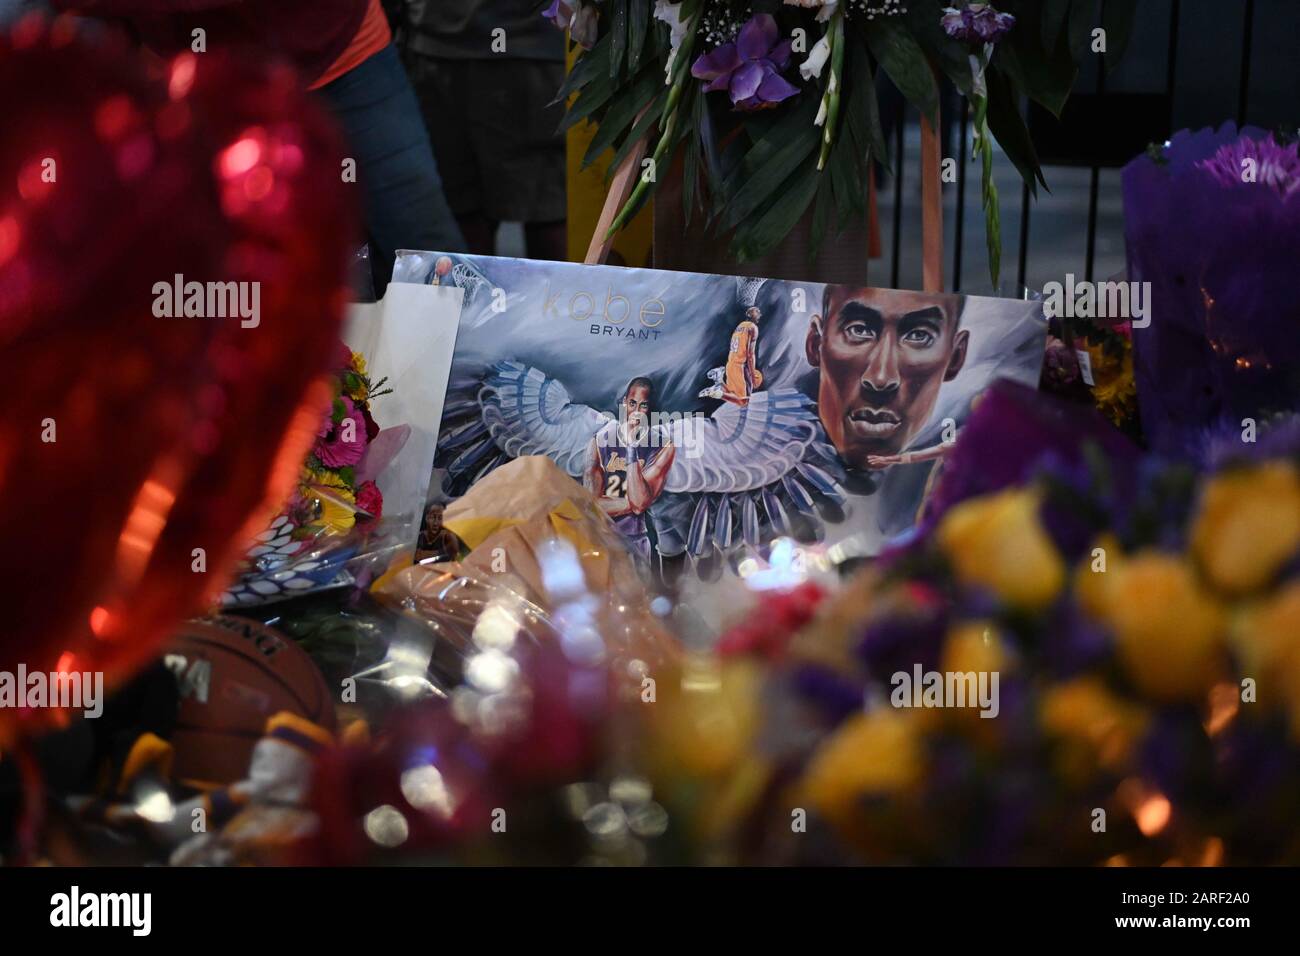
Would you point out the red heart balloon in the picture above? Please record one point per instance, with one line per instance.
(139, 452)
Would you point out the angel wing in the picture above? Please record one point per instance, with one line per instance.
(742, 448)
(511, 410)
(747, 474)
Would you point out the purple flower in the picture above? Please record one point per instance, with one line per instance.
(749, 67)
(1010, 434)
(977, 23)
(577, 17)
(833, 694)
(911, 632)
(1219, 254)
(560, 12)
(582, 28)
(1270, 163)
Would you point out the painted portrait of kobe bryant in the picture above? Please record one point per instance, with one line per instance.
(710, 415)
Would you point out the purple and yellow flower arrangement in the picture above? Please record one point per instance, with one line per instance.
(1143, 619)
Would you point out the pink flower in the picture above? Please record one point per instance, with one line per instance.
(342, 443)
(370, 500)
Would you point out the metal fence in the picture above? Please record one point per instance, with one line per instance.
(1103, 103)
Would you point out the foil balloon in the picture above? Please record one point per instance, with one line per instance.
(174, 240)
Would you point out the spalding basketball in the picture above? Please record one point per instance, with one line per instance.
(233, 675)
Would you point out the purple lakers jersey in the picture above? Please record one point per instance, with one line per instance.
(616, 455)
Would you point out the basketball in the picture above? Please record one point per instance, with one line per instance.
(234, 674)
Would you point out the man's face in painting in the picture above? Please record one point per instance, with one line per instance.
(636, 408)
(433, 519)
(882, 357)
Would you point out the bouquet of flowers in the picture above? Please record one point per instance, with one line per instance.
(772, 105)
(337, 505)
(1130, 625)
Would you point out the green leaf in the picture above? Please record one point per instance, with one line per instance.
(1008, 126)
(639, 130)
(1083, 20)
(758, 237)
(877, 147)
(766, 180)
(617, 37)
(993, 233)
(821, 217)
(1117, 20)
(863, 109)
(637, 22)
(849, 191)
(589, 65)
(769, 162)
(924, 20)
(1053, 16)
(904, 60)
(622, 113)
(1046, 79)
(593, 96)
(691, 158)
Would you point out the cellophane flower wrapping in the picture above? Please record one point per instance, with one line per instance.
(360, 496)
(1219, 242)
(510, 691)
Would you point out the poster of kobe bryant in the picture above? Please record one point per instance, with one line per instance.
(712, 415)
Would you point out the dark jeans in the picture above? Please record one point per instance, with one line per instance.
(404, 203)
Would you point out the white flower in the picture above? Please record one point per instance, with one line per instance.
(825, 8)
(671, 14)
(831, 87)
(812, 67)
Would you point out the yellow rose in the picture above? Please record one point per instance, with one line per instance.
(974, 647)
(1097, 728)
(1247, 525)
(998, 542)
(1266, 638)
(1168, 631)
(706, 716)
(1093, 576)
(874, 753)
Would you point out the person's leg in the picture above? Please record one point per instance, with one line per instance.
(447, 95)
(519, 151)
(547, 240)
(480, 233)
(404, 201)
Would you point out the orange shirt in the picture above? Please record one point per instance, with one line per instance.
(372, 37)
